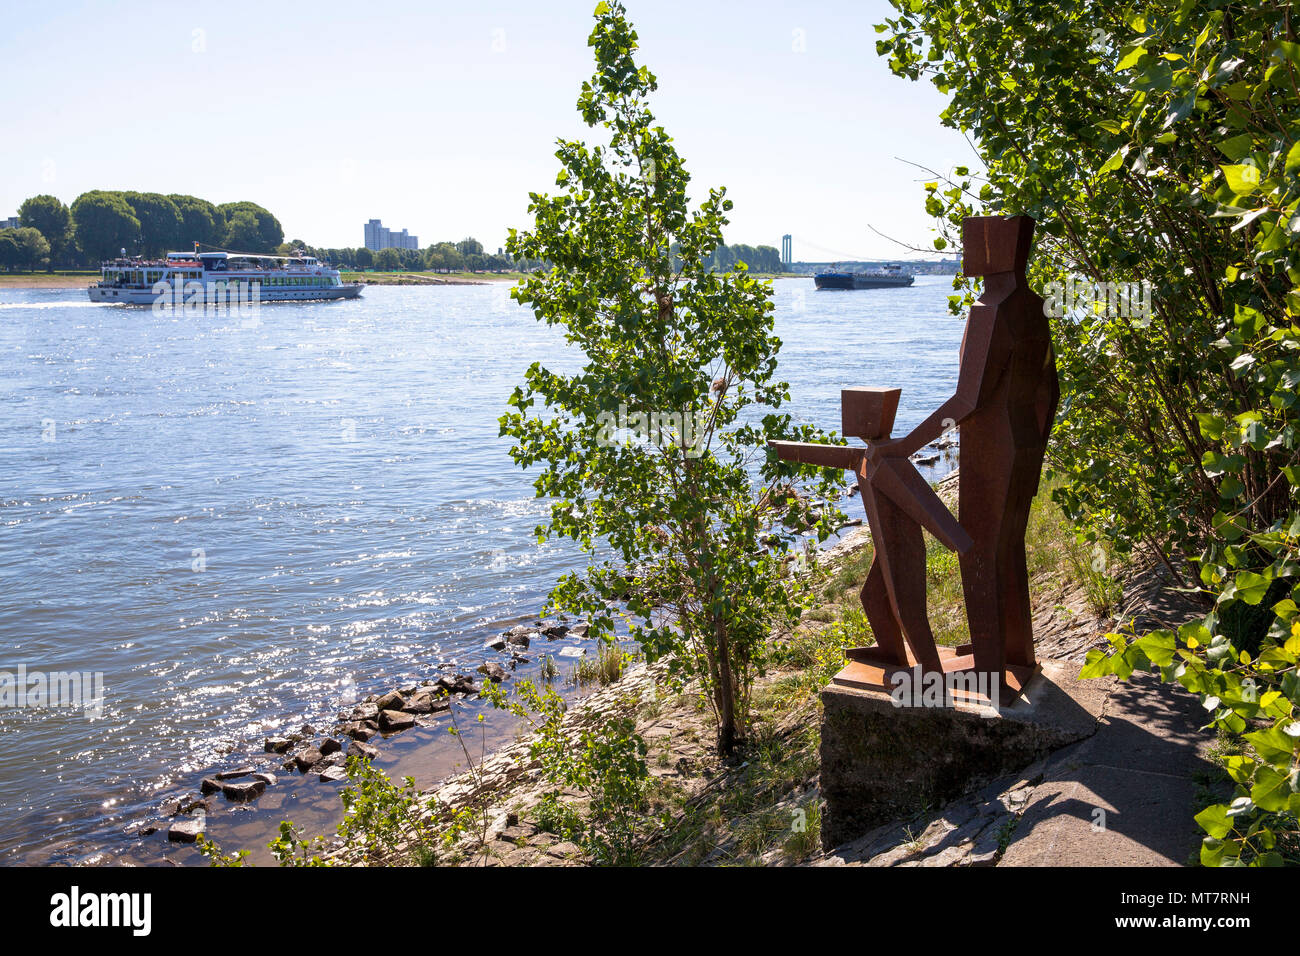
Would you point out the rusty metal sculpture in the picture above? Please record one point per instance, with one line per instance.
(1004, 405)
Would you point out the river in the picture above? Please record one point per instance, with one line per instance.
(242, 524)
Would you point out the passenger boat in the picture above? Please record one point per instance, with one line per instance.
(219, 278)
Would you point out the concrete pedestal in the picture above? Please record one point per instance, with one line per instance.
(881, 761)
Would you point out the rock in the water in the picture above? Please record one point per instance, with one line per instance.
(579, 630)
(457, 684)
(553, 632)
(356, 730)
(392, 721)
(307, 758)
(493, 671)
(329, 746)
(419, 704)
(333, 775)
(187, 831)
(191, 803)
(266, 777)
(496, 644)
(391, 701)
(242, 791)
(362, 751)
(365, 712)
(519, 636)
(234, 774)
(277, 745)
(209, 785)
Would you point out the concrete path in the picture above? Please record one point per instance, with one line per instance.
(1125, 796)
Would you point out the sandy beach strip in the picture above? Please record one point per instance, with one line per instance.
(45, 280)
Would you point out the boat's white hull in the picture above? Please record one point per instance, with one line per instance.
(128, 296)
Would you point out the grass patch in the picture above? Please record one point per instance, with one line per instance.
(1051, 545)
(747, 814)
(604, 667)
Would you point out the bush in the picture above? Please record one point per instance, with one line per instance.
(1158, 145)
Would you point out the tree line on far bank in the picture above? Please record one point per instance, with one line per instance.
(101, 223)
(468, 255)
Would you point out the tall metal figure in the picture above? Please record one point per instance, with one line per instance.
(1007, 393)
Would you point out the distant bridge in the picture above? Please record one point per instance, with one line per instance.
(847, 260)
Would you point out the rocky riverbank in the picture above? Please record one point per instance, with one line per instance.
(763, 808)
(356, 731)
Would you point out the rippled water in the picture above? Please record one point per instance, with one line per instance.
(242, 525)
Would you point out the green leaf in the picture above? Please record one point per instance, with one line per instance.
(1252, 587)
(1115, 162)
(1096, 664)
(1274, 746)
(1158, 646)
(1212, 426)
(1212, 852)
(1236, 148)
(1214, 821)
(1272, 790)
(1231, 487)
(1129, 60)
(1242, 180)
(1293, 157)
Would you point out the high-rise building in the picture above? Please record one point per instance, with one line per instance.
(10, 223)
(378, 236)
(787, 249)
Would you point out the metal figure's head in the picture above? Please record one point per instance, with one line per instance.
(994, 244)
(868, 413)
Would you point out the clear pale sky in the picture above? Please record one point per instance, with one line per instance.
(440, 117)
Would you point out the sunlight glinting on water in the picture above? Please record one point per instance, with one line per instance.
(232, 523)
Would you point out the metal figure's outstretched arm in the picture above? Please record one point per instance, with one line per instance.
(828, 456)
